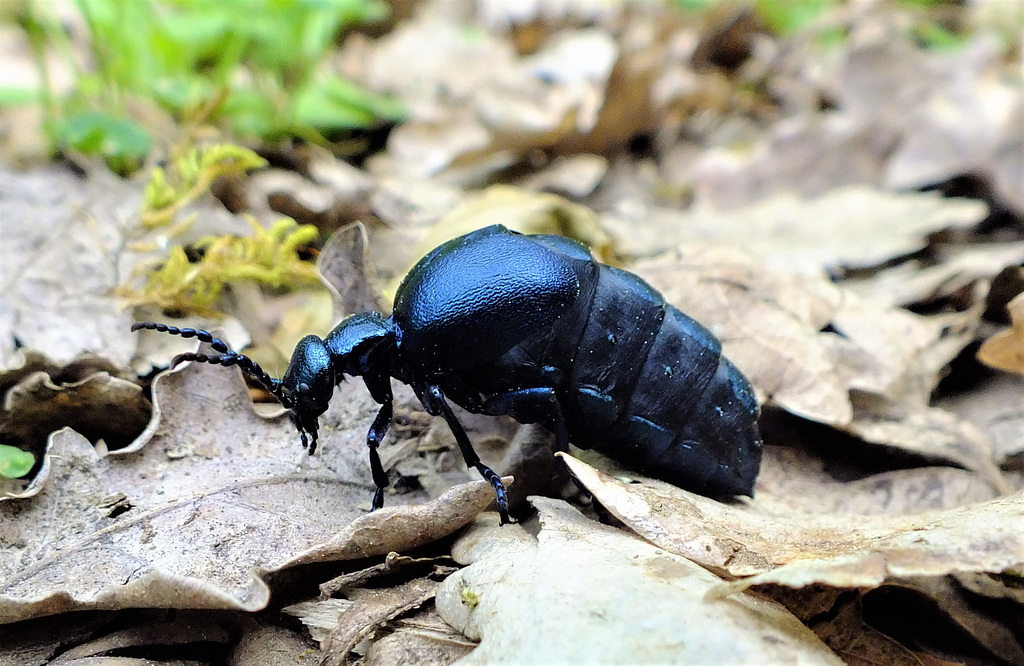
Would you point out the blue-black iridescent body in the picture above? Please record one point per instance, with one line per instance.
(533, 327)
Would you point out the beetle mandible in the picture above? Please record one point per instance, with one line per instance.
(533, 327)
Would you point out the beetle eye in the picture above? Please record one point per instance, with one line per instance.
(303, 387)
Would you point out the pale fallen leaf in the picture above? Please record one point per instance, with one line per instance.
(995, 407)
(369, 610)
(476, 106)
(770, 324)
(797, 549)
(965, 112)
(904, 116)
(210, 473)
(509, 14)
(846, 227)
(590, 593)
(573, 176)
(65, 251)
(273, 646)
(793, 479)
(809, 155)
(423, 638)
(59, 264)
(37, 406)
(369, 602)
(518, 209)
(956, 268)
(926, 431)
(523, 211)
(907, 351)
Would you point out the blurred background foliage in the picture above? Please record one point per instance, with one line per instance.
(254, 68)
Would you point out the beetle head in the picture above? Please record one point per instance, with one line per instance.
(308, 384)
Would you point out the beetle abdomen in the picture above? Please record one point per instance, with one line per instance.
(692, 417)
(648, 385)
(633, 376)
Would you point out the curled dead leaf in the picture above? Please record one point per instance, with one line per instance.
(798, 548)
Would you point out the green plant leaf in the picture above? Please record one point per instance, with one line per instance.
(15, 463)
(334, 104)
(19, 96)
(96, 133)
(239, 63)
(786, 17)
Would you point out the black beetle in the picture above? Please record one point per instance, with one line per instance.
(532, 327)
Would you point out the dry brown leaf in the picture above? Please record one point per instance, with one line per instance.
(926, 431)
(477, 106)
(331, 194)
(64, 253)
(504, 15)
(345, 267)
(769, 323)
(344, 624)
(797, 549)
(590, 593)
(1005, 350)
(212, 474)
(518, 209)
(809, 154)
(36, 406)
(369, 610)
(908, 116)
(523, 211)
(907, 352)
(964, 112)
(574, 176)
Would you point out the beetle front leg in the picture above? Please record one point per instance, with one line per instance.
(379, 386)
(434, 402)
(374, 437)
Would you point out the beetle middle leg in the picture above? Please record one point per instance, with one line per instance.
(531, 405)
(434, 402)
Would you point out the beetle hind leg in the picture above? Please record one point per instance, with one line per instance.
(436, 405)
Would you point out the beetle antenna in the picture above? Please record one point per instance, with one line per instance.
(204, 336)
(226, 357)
(250, 367)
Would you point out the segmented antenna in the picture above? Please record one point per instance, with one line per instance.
(226, 357)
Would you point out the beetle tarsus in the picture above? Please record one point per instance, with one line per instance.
(501, 497)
